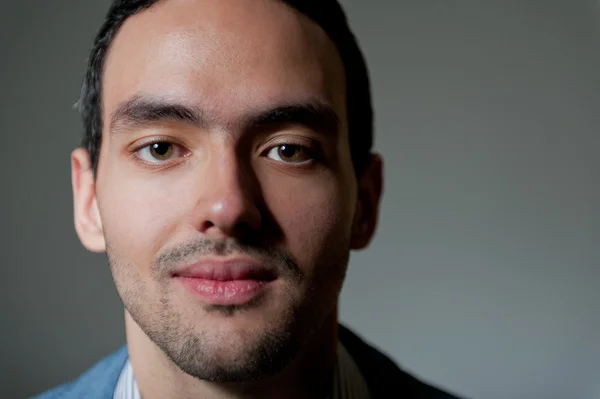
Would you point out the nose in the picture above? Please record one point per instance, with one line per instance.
(228, 205)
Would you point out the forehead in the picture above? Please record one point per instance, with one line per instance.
(228, 57)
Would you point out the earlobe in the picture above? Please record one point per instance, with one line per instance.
(88, 223)
(370, 189)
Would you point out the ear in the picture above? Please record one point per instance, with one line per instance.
(87, 217)
(370, 188)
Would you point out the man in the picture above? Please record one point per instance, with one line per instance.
(227, 172)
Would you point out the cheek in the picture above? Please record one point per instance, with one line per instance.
(314, 216)
(139, 215)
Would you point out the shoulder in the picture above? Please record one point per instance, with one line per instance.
(97, 382)
(382, 374)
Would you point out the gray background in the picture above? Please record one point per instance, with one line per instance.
(484, 275)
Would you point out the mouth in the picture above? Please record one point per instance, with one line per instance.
(230, 282)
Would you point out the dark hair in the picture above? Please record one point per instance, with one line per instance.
(328, 14)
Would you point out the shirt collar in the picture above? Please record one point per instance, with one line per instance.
(348, 382)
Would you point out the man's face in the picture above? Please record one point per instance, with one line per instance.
(225, 192)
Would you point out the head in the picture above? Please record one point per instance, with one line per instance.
(227, 135)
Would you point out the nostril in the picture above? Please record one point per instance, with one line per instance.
(208, 224)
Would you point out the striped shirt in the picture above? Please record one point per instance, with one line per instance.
(348, 383)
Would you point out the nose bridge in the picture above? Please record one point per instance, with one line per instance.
(228, 203)
(228, 178)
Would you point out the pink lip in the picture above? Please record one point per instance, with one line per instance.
(231, 282)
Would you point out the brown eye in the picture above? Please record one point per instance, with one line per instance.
(161, 151)
(289, 153)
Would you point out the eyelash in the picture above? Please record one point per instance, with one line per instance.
(148, 144)
(314, 153)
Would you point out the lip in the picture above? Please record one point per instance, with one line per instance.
(227, 270)
(226, 282)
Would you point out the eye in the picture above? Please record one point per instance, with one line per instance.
(159, 151)
(290, 153)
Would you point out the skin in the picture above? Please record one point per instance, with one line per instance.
(226, 181)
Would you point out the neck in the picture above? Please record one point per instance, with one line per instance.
(309, 375)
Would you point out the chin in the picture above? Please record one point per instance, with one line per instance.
(231, 352)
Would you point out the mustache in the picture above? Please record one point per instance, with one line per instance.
(280, 260)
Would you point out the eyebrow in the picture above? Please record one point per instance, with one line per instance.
(312, 114)
(142, 111)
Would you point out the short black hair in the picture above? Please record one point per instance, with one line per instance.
(328, 14)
